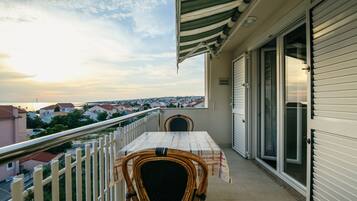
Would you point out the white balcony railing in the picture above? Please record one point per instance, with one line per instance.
(86, 174)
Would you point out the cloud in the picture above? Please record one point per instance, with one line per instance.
(152, 19)
(86, 50)
(9, 76)
(149, 17)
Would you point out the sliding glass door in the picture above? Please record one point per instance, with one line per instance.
(295, 104)
(283, 105)
(268, 137)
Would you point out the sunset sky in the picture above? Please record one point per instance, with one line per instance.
(87, 50)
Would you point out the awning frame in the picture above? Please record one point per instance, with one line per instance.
(205, 38)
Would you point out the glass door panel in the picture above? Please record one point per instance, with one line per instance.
(295, 103)
(268, 134)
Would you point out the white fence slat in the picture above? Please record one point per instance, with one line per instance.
(119, 187)
(106, 167)
(112, 158)
(120, 139)
(101, 169)
(87, 172)
(78, 174)
(55, 180)
(125, 131)
(17, 188)
(68, 176)
(95, 171)
(37, 182)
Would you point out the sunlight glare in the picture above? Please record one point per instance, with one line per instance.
(48, 50)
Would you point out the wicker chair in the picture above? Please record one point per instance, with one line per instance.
(164, 174)
(179, 122)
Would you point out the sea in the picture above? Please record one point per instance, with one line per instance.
(34, 106)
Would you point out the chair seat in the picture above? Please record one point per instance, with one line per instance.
(164, 174)
(164, 180)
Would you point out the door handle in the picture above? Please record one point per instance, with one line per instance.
(243, 120)
(307, 68)
(308, 141)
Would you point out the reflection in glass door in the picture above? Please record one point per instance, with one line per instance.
(268, 134)
(295, 103)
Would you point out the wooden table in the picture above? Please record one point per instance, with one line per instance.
(198, 142)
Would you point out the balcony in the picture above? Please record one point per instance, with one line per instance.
(92, 163)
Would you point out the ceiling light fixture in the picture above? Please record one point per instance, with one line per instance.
(249, 21)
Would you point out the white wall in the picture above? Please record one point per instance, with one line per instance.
(217, 117)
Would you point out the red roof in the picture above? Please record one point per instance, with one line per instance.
(50, 107)
(6, 111)
(61, 105)
(41, 156)
(21, 110)
(66, 105)
(107, 107)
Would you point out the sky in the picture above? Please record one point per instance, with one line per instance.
(91, 50)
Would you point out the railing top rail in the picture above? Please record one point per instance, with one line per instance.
(15, 151)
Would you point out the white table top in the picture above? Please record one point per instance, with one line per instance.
(195, 142)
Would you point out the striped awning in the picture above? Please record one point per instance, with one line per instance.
(203, 25)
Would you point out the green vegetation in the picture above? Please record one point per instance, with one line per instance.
(72, 120)
(35, 123)
(102, 116)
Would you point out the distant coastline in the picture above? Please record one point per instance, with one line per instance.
(34, 106)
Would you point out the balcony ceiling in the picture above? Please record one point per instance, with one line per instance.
(266, 13)
(203, 25)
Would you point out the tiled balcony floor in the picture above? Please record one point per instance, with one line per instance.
(250, 183)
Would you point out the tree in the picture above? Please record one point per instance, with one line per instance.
(57, 128)
(146, 106)
(102, 116)
(57, 108)
(86, 107)
(171, 105)
(74, 119)
(117, 114)
(35, 122)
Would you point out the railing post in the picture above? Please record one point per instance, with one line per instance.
(55, 180)
(37, 180)
(78, 174)
(95, 171)
(101, 169)
(159, 120)
(87, 172)
(17, 188)
(68, 176)
(112, 161)
(120, 187)
(106, 167)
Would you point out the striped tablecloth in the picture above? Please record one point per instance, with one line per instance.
(198, 142)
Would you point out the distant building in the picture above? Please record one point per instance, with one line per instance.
(41, 158)
(13, 130)
(32, 115)
(93, 112)
(158, 104)
(198, 104)
(47, 113)
(65, 107)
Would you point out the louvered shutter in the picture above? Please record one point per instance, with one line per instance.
(333, 124)
(239, 106)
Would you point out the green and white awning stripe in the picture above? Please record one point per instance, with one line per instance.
(202, 25)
